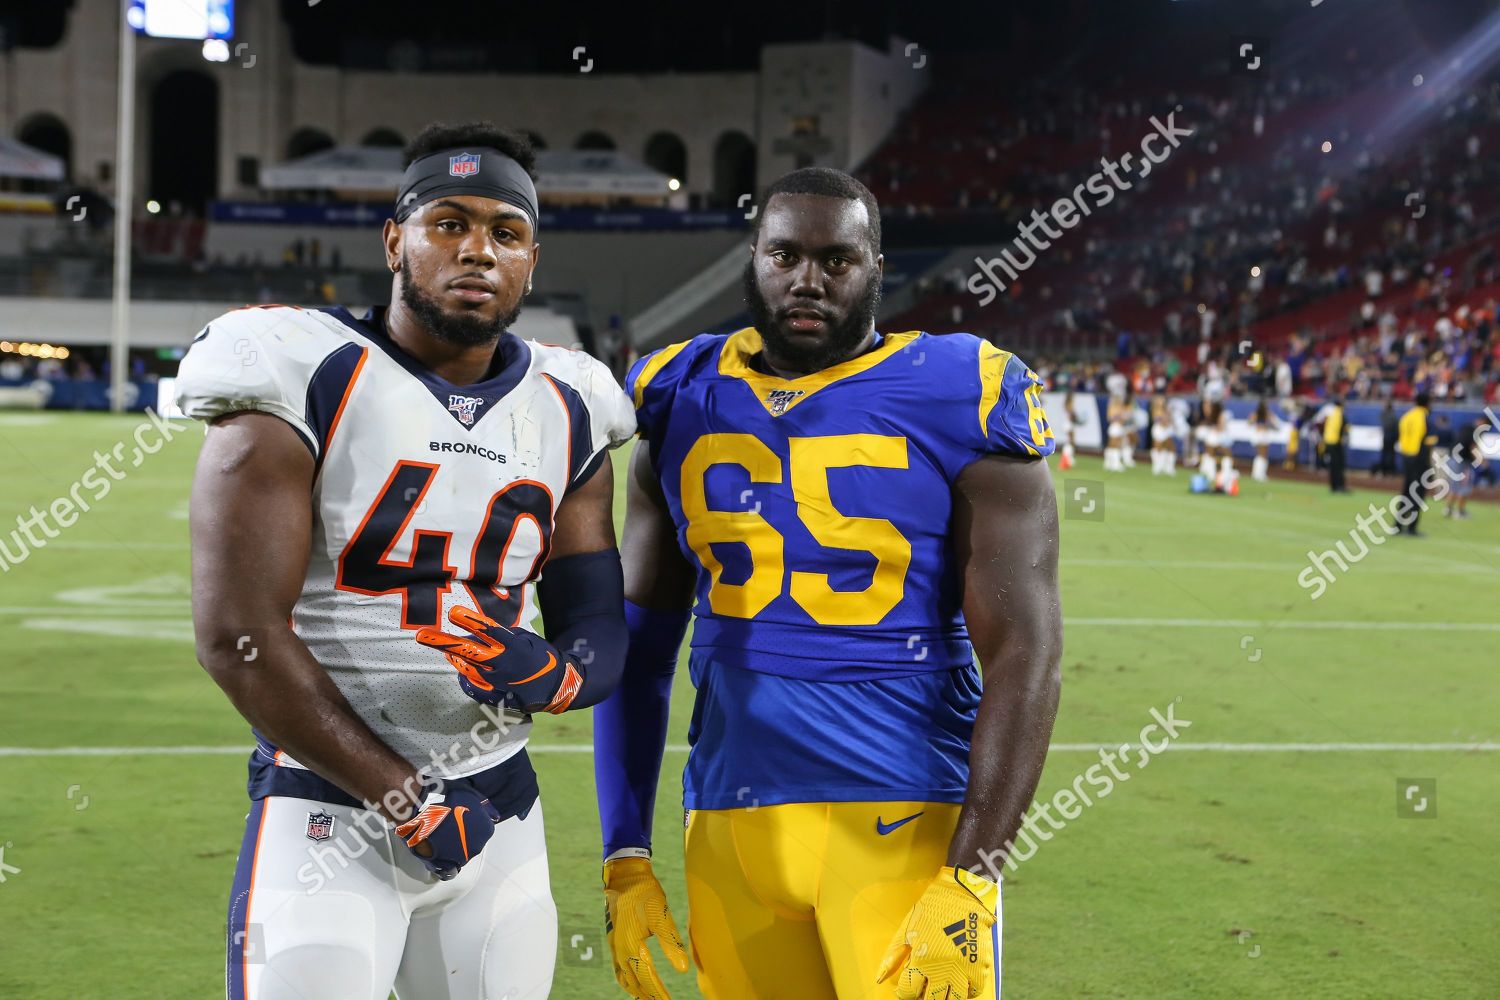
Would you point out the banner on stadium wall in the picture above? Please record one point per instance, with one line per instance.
(76, 394)
(1242, 434)
(32, 204)
(370, 215)
(1086, 420)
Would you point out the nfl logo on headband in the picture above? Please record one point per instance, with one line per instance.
(464, 164)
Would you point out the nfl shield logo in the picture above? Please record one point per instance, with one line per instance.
(319, 826)
(464, 164)
(780, 399)
(463, 408)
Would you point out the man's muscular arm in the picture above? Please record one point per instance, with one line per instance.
(1005, 541)
(630, 734)
(251, 518)
(580, 591)
(656, 574)
(630, 728)
(585, 520)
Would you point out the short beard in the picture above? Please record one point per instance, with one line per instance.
(843, 337)
(464, 329)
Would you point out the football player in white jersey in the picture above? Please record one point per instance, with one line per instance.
(364, 481)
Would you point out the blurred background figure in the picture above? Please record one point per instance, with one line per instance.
(1335, 438)
(1389, 425)
(1163, 439)
(1464, 465)
(1262, 426)
(1414, 445)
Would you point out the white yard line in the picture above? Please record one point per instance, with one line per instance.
(1072, 622)
(583, 748)
(1290, 568)
(146, 611)
(60, 543)
(1069, 621)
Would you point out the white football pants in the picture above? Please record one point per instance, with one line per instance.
(347, 911)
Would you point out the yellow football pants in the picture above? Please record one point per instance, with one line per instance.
(800, 901)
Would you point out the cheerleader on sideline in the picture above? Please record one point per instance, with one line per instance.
(1064, 428)
(1208, 438)
(1262, 426)
(1222, 446)
(1163, 439)
(1119, 419)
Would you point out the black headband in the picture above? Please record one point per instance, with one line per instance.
(485, 172)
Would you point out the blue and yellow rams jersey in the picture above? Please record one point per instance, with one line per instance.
(818, 509)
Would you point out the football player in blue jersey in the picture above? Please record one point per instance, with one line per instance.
(850, 517)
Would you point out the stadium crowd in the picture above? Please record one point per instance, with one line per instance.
(1351, 261)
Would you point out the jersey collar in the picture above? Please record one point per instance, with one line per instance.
(467, 404)
(779, 395)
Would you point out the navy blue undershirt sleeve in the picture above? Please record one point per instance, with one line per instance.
(630, 728)
(582, 601)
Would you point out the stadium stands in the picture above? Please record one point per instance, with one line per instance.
(1252, 231)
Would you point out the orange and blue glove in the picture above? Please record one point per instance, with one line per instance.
(452, 825)
(505, 666)
(635, 909)
(942, 950)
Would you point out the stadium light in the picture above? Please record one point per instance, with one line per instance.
(1255, 271)
(191, 19)
(215, 50)
(1327, 146)
(673, 184)
(153, 206)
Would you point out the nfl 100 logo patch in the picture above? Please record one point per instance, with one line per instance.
(464, 408)
(319, 826)
(464, 164)
(780, 399)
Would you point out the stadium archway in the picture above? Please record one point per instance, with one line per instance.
(383, 137)
(734, 167)
(47, 132)
(184, 161)
(307, 141)
(594, 140)
(665, 151)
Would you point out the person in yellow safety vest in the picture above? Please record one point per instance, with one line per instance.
(1414, 446)
(1335, 437)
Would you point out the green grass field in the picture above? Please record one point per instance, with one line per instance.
(1261, 871)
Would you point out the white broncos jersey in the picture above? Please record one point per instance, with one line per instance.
(427, 495)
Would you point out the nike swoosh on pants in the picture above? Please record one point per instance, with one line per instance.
(885, 828)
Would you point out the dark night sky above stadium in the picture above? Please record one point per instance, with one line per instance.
(697, 36)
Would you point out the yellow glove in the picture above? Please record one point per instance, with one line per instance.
(635, 908)
(942, 949)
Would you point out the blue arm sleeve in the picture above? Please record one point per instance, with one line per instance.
(630, 728)
(581, 599)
